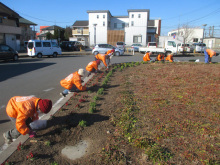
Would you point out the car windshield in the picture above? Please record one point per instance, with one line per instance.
(30, 45)
(120, 43)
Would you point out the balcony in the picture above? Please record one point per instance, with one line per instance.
(10, 29)
(80, 32)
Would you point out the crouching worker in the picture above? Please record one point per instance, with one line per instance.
(22, 110)
(160, 57)
(73, 82)
(147, 56)
(169, 57)
(92, 67)
(209, 53)
(104, 58)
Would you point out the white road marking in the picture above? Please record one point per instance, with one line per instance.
(3, 106)
(46, 90)
(58, 101)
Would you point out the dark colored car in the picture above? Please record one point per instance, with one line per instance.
(71, 45)
(6, 53)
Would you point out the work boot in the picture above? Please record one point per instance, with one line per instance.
(7, 140)
(62, 94)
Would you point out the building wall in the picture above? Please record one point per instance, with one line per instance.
(195, 34)
(212, 43)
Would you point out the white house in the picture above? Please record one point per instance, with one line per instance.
(134, 28)
(190, 35)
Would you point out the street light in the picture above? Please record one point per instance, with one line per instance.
(94, 33)
(204, 25)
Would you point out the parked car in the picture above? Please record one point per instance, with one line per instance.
(6, 53)
(199, 47)
(184, 48)
(120, 45)
(103, 48)
(136, 47)
(41, 48)
(71, 45)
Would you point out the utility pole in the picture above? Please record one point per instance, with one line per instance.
(212, 31)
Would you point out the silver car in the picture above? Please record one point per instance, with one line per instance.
(103, 48)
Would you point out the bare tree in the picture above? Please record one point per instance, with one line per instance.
(186, 32)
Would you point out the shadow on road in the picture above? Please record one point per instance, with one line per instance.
(8, 71)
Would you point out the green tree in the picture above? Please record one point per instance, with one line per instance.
(49, 36)
(67, 33)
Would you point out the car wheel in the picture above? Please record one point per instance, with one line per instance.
(117, 53)
(39, 55)
(95, 53)
(55, 54)
(15, 58)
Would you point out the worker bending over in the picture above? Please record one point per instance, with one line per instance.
(169, 57)
(209, 53)
(22, 110)
(73, 82)
(92, 67)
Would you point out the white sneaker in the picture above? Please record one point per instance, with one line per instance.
(7, 141)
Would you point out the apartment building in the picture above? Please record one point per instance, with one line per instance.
(136, 27)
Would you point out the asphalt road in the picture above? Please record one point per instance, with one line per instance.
(41, 77)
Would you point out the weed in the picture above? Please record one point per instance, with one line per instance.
(47, 143)
(100, 91)
(96, 98)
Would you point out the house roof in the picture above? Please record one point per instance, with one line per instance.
(25, 21)
(8, 11)
(51, 27)
(81, 23)
(99, 11)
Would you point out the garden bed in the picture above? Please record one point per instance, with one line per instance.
(138, 113)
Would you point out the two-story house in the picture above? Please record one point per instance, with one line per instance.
(134, 28)
(80, 32)
(46, 29)
(9, 27)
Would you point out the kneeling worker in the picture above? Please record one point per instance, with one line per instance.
(73, 82)
(22, 110)
(160, 57)
(169, 57)
(147, 56)
(92, 67)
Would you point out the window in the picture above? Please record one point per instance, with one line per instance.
(103, 23)
(139, 15)
(97, 16)
(132, 23)
(195, 39)
(54, 44)
(38, 44)
(103, 16)
(123, 25)
(132, 16)
(115, 25)
(46, 44)
(137, 39)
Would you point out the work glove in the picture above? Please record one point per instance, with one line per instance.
(32, 134)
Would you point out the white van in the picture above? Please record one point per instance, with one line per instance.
(199, 47)
(41, 48)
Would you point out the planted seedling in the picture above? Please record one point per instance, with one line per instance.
(82, 123)
(47, 143)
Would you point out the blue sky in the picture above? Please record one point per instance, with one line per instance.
(173, 13)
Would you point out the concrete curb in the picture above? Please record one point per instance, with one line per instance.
(11, 148)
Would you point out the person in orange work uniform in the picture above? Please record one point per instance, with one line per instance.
(92, 67)
(169, 57)
(104, 58)
(147, 56)
(22, 110)
(160, 57)
(73, 82)
(209, 53)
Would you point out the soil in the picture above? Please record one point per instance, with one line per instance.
(153, 105)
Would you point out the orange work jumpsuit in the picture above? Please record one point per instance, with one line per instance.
(146, 57)
(160, 57)
(92, 65)
(169, 58)
(211, 52)
(21, 108)
(102, 57)
(73, 78)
